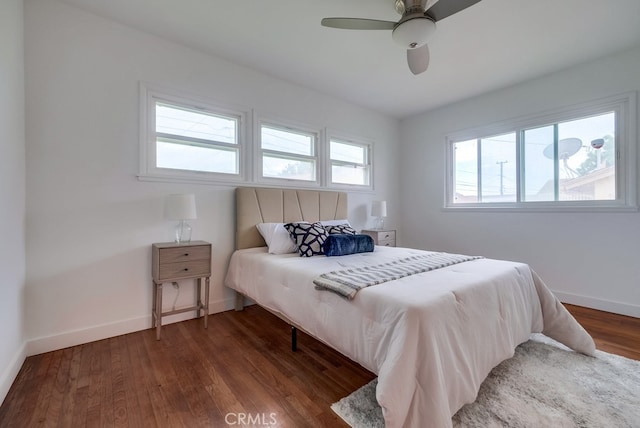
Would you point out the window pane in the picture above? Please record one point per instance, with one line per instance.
(539, 165)
(174, 155)
(589, 172)
(287, 141)
(293, 169)
(350, 174)
(498, 168)
(465, 159)
(348, 152)
(188, 123)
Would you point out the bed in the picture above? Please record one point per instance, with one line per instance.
(431, 338)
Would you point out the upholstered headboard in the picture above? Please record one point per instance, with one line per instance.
(263, 205)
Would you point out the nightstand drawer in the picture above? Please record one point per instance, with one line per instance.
(386, 235)
(195, 268)
(172, 261)
(387, 242)
(183, 254)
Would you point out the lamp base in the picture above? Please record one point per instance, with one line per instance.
(380, 223)
(182, 232)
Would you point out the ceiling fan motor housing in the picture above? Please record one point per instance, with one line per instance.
(413, 31)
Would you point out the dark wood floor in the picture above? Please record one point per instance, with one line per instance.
(239, 370)
(612, 333)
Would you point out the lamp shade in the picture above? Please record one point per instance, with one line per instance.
(180, 207)
(414, 32)
(379, 209)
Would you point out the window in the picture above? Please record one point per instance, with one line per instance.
(350, 163)
(190, 140)
(196, 141)
(580, 157)
(288, 154)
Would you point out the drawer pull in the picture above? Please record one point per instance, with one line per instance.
(386, 236)
(186, 269)
(186, 254)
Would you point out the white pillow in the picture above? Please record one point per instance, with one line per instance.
(334, 222)
(277, 238)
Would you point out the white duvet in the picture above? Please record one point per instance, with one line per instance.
(431, 338)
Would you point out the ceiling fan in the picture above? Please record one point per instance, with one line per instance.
(412, 30)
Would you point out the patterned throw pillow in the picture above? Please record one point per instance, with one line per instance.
(340, 229)
(309, 237)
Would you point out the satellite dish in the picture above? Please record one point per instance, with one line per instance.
(566, 148)
(597, 143)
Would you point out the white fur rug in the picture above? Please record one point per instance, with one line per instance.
(543, 385)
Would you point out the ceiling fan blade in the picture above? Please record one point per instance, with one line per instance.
(418, 59)
(444, 8)
(357, 24)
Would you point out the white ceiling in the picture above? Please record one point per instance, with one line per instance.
(493, 44)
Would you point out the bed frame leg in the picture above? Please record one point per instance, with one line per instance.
(239, 302)
(294, 339)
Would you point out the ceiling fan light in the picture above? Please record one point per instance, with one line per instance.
(414, 32)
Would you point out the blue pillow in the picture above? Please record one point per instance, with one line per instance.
(341, 245)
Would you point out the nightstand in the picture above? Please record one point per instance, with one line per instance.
(386, 238)
(171, 262)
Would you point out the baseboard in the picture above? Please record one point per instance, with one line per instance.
(600, 304)
(9, 374)
(105, 331)
(90, 334)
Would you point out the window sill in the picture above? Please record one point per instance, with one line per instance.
(553, 208)
(190, 180)
(238, 182)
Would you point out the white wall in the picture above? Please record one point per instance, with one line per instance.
(587, 258)
(12, 193)
(90, 222)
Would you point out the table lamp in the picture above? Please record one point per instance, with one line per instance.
(379, 210)
(181, 207)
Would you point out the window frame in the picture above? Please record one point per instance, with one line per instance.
(346, 139)
(149, 170)
(284, 125)
(624, 106)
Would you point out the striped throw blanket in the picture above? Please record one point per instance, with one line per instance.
(348, 282)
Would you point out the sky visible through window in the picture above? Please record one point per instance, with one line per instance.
(205, 126)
